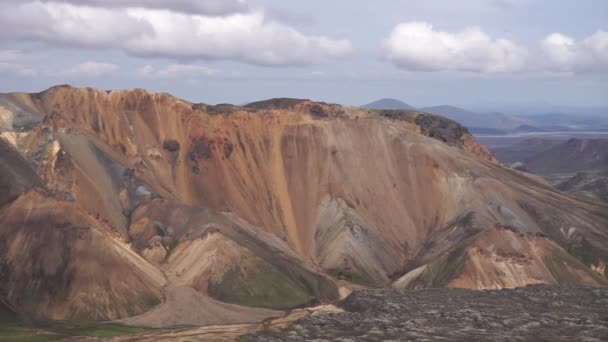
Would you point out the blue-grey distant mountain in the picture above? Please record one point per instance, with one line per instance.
(388, 103)
(470, 119)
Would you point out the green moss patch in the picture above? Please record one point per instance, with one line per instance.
(358, 278)
(264, 287)
(587, 253)
(60, 330)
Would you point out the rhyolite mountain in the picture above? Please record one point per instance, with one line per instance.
(140, 206)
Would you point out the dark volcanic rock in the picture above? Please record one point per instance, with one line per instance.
(171, 145)
(533, 313)
(318, 111)
(441, 128)
(277, 103)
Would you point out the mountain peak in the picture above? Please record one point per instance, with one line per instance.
(388, 103)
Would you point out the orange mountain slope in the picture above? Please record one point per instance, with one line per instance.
(272, 205)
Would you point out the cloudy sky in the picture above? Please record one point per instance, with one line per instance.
(466, 52)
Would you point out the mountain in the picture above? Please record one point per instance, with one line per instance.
(141, 207)
(571, 156)
(587, 184)
(524, 150)
(576, 166)
(574, 121)
(479, 121)
(388, 103)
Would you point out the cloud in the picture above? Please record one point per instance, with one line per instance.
(144, 32)
(92, 69)
(177, 70)
(16, 69)
(565, 54)
(11, 55)
(417, 46)
(9, 63)
(203, 7)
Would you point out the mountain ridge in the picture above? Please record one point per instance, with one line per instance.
(309, 199)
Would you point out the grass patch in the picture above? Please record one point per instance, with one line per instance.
(559, 267)
(351, 277)
(587, 253)
(60, 330)
(447, 267)
(264, 287)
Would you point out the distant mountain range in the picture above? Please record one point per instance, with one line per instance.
(492, 122)
(479, 121)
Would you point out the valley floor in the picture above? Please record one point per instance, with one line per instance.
(533, 313)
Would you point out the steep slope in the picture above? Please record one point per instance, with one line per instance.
(269, 205)
(590, 184)
(18, 111)
(16, 174)
(388, 103)
(58, 263)
(500, 257)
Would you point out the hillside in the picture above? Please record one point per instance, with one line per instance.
(571, 156)
(524, 150)
(587, 184)
(140, 206)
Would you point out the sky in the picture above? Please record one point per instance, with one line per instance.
(480, 53)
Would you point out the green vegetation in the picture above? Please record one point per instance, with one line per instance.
(440, 272)
(263, 287)
(561, 265)
(60, 330)
(352, 277)
(588, 254)
(172, 245)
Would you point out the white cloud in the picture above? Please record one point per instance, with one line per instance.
(9, 63)
(145, 32)
(92, 69)
(417, 46)
(565, 54)
(16, 69)
(177, 70)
